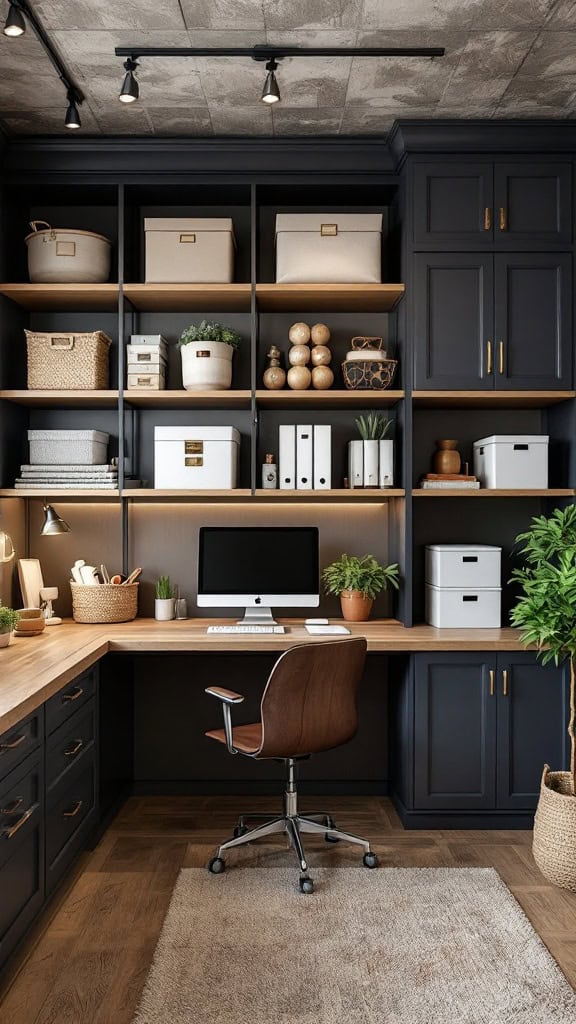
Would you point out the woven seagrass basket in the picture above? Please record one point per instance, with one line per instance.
(67, 362)
(554, 842)
(107, 602)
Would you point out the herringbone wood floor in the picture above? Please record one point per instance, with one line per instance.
(87, 960)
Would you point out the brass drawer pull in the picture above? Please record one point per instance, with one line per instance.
(12, 744)
(13, 807)
(500, 357)
(74, 750)
(75, 810)
(328, 230)
(73, 695)
(9, 832)
(504, 683)
(487, 218)
(502, 218)
(188, 236)
(488, 357)
(492, 682)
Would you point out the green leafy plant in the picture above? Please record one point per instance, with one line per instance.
(164, 589)
(546, 611)
(373, 426)
(209, 330)
(363, 574)
(8, 619)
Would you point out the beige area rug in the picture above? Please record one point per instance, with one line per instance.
(390, 946)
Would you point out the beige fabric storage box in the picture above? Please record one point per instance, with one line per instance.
(189, 250)
(323, 247)
(62, 255)
(67, 362)
(68, 447)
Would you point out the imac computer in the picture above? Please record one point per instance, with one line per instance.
(256, 568)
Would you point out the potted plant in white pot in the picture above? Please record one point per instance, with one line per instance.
(207, 349)
(546, 617)
(371, 459)
(8, 622)
(357, 582)
(165, 601)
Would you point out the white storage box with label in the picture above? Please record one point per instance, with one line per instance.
(456, 608)
(145, 356)
(463, 565)
(339, 247)
(512, 461)
(196, 458)
(146, 378)
(68, 447)
(189, 250)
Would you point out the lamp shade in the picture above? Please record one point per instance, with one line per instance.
(53, 524)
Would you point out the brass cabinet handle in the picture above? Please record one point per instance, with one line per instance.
(492, 682)
(73, 695)
(74, 811)
(504, 683)
(78, 744)
(11, 831)
(500, 357)
(488, 357)
(487, 218)
(13, 807)
(12, 744)
(502, 218)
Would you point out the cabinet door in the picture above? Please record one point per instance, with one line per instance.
(21, 851)
(533, 321)
(532, 204)
(532, 724)
(453, 321)
(455, 732)
(453, 204)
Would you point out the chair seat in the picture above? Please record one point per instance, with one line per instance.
(247, 738)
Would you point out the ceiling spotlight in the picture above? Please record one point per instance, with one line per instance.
(72, 119)
(130, 90)
(271, 92)
(53, 524)
(15, 24)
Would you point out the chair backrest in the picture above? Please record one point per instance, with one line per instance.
(309, 703)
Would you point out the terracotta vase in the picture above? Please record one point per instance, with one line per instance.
(447, 459)
(356, 607)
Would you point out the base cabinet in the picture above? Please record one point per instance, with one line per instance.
(21, 851)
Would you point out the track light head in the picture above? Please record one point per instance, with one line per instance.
(15, 25)
(72, 119)
(271, 92)
(130, 90)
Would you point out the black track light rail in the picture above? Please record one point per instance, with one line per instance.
(74, 93)
(265, 53)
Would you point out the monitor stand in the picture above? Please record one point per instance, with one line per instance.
(257, 617)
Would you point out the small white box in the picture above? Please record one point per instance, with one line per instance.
(68, 447)
(145, 355)
(335, 247)
(148, 339)
(189, 249)
(151, 378)
(464, 566)
(454, 608)
(196, 458)
(512, 461)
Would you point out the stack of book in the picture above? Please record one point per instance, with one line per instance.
(68, 477)
(449, 482)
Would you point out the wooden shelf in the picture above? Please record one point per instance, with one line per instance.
(496, 492)
(62, 399)
(74, 297)
(489, 399)
(331, 399)
(207, 497)
(188, 399)
(57, 492)
(184, 298)
(328, 298)
(359, 495)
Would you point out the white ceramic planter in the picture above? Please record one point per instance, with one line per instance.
(5, 639)
(207, 366)
(164, 609)
(386, 464)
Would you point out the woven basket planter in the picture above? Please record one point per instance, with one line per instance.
(368, 374)
(554, 842)
(107, 602)
(67, 362)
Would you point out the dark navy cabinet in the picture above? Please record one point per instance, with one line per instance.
(453, 204)
(532, 204)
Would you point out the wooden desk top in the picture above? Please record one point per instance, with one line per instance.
(32, 669)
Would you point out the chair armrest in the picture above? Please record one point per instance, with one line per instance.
(226, 696)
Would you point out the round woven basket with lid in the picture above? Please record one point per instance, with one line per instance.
(554, 842)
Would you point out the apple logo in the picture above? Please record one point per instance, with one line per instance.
(258, 600)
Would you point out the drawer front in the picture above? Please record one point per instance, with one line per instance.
(70, 743)
(65, 703)
(21, 853)
(20, 741)
(67, 822)
(21, 804)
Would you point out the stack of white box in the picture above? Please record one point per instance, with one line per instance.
(463, 588)
(305, 458)
(147, 357)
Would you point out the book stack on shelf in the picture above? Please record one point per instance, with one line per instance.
(449, 481)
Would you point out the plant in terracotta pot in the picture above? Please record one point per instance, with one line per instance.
(357, 582)
(206, 350)
(546, 617)
(8, 623)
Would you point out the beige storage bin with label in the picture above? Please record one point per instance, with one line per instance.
(189, 250)
(67, 256)
(323, 247)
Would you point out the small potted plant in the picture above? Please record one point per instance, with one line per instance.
(165, 602)
(8, 623)
(357, 582)
(546, 617)
(372, 458)
(207, 349)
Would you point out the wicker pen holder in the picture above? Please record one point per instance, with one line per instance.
(107, 602)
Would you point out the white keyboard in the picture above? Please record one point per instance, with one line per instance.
(245, 629)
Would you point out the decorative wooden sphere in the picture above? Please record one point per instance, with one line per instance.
(321, 355)
(274, 378)
(322, 378)
(320, 334)
(299, 355)
(299, 334)
(299, 378)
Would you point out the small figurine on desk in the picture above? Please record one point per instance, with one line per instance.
(47, 595)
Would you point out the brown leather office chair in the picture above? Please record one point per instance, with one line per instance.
(309, 705)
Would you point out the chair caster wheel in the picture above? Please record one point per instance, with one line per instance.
(216, 866)
(240, 830)
(331, 839)
(306, 885)
(370, 860)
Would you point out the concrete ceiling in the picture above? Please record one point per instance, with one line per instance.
(504, 59)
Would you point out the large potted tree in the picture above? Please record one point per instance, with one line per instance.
(546, 617)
